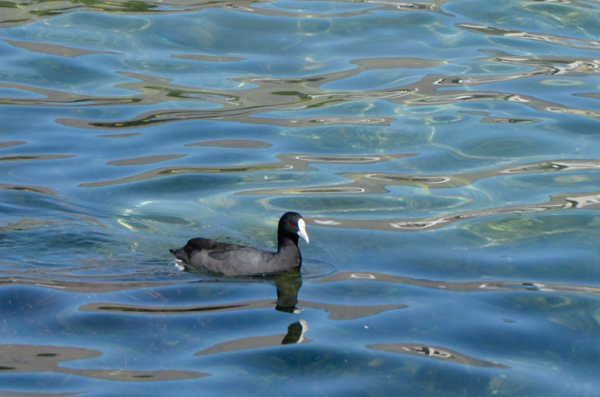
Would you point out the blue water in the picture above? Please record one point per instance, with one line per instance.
(444, 155)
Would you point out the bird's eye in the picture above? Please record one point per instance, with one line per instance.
(293, 224)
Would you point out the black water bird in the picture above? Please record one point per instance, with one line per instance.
(237, 260)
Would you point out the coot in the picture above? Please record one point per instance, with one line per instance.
(237, 260)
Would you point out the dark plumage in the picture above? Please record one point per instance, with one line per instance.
(237, 260)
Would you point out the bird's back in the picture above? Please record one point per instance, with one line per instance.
(229, 259)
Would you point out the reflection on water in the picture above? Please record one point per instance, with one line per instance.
(435, 353)
(23, 188)
(287, 286)
(374, 183)
(18, 14)
(288, 162)
(469, 126)
(564, 41)
(295, 335)
(279, 102)
(557, 203)
(473, 286)
(238, 144)
(50, 359)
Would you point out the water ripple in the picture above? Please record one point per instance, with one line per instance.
(375, 183)
(34, 358)
(521, 35)
(288, 162)
(560, 202)
(472, 119)
(466, 286)
(436, 353)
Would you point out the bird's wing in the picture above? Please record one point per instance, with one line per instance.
(206, 244)
(236, 252)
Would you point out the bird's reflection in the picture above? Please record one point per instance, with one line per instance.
(288, 285)
(295, 333)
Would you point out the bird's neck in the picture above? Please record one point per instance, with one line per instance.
(287, 244)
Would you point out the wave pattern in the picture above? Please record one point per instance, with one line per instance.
(470, 126)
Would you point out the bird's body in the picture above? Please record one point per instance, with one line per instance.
(238, 260)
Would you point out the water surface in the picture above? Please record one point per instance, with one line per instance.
(443, 153)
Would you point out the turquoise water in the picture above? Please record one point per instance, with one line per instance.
(444, 155)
